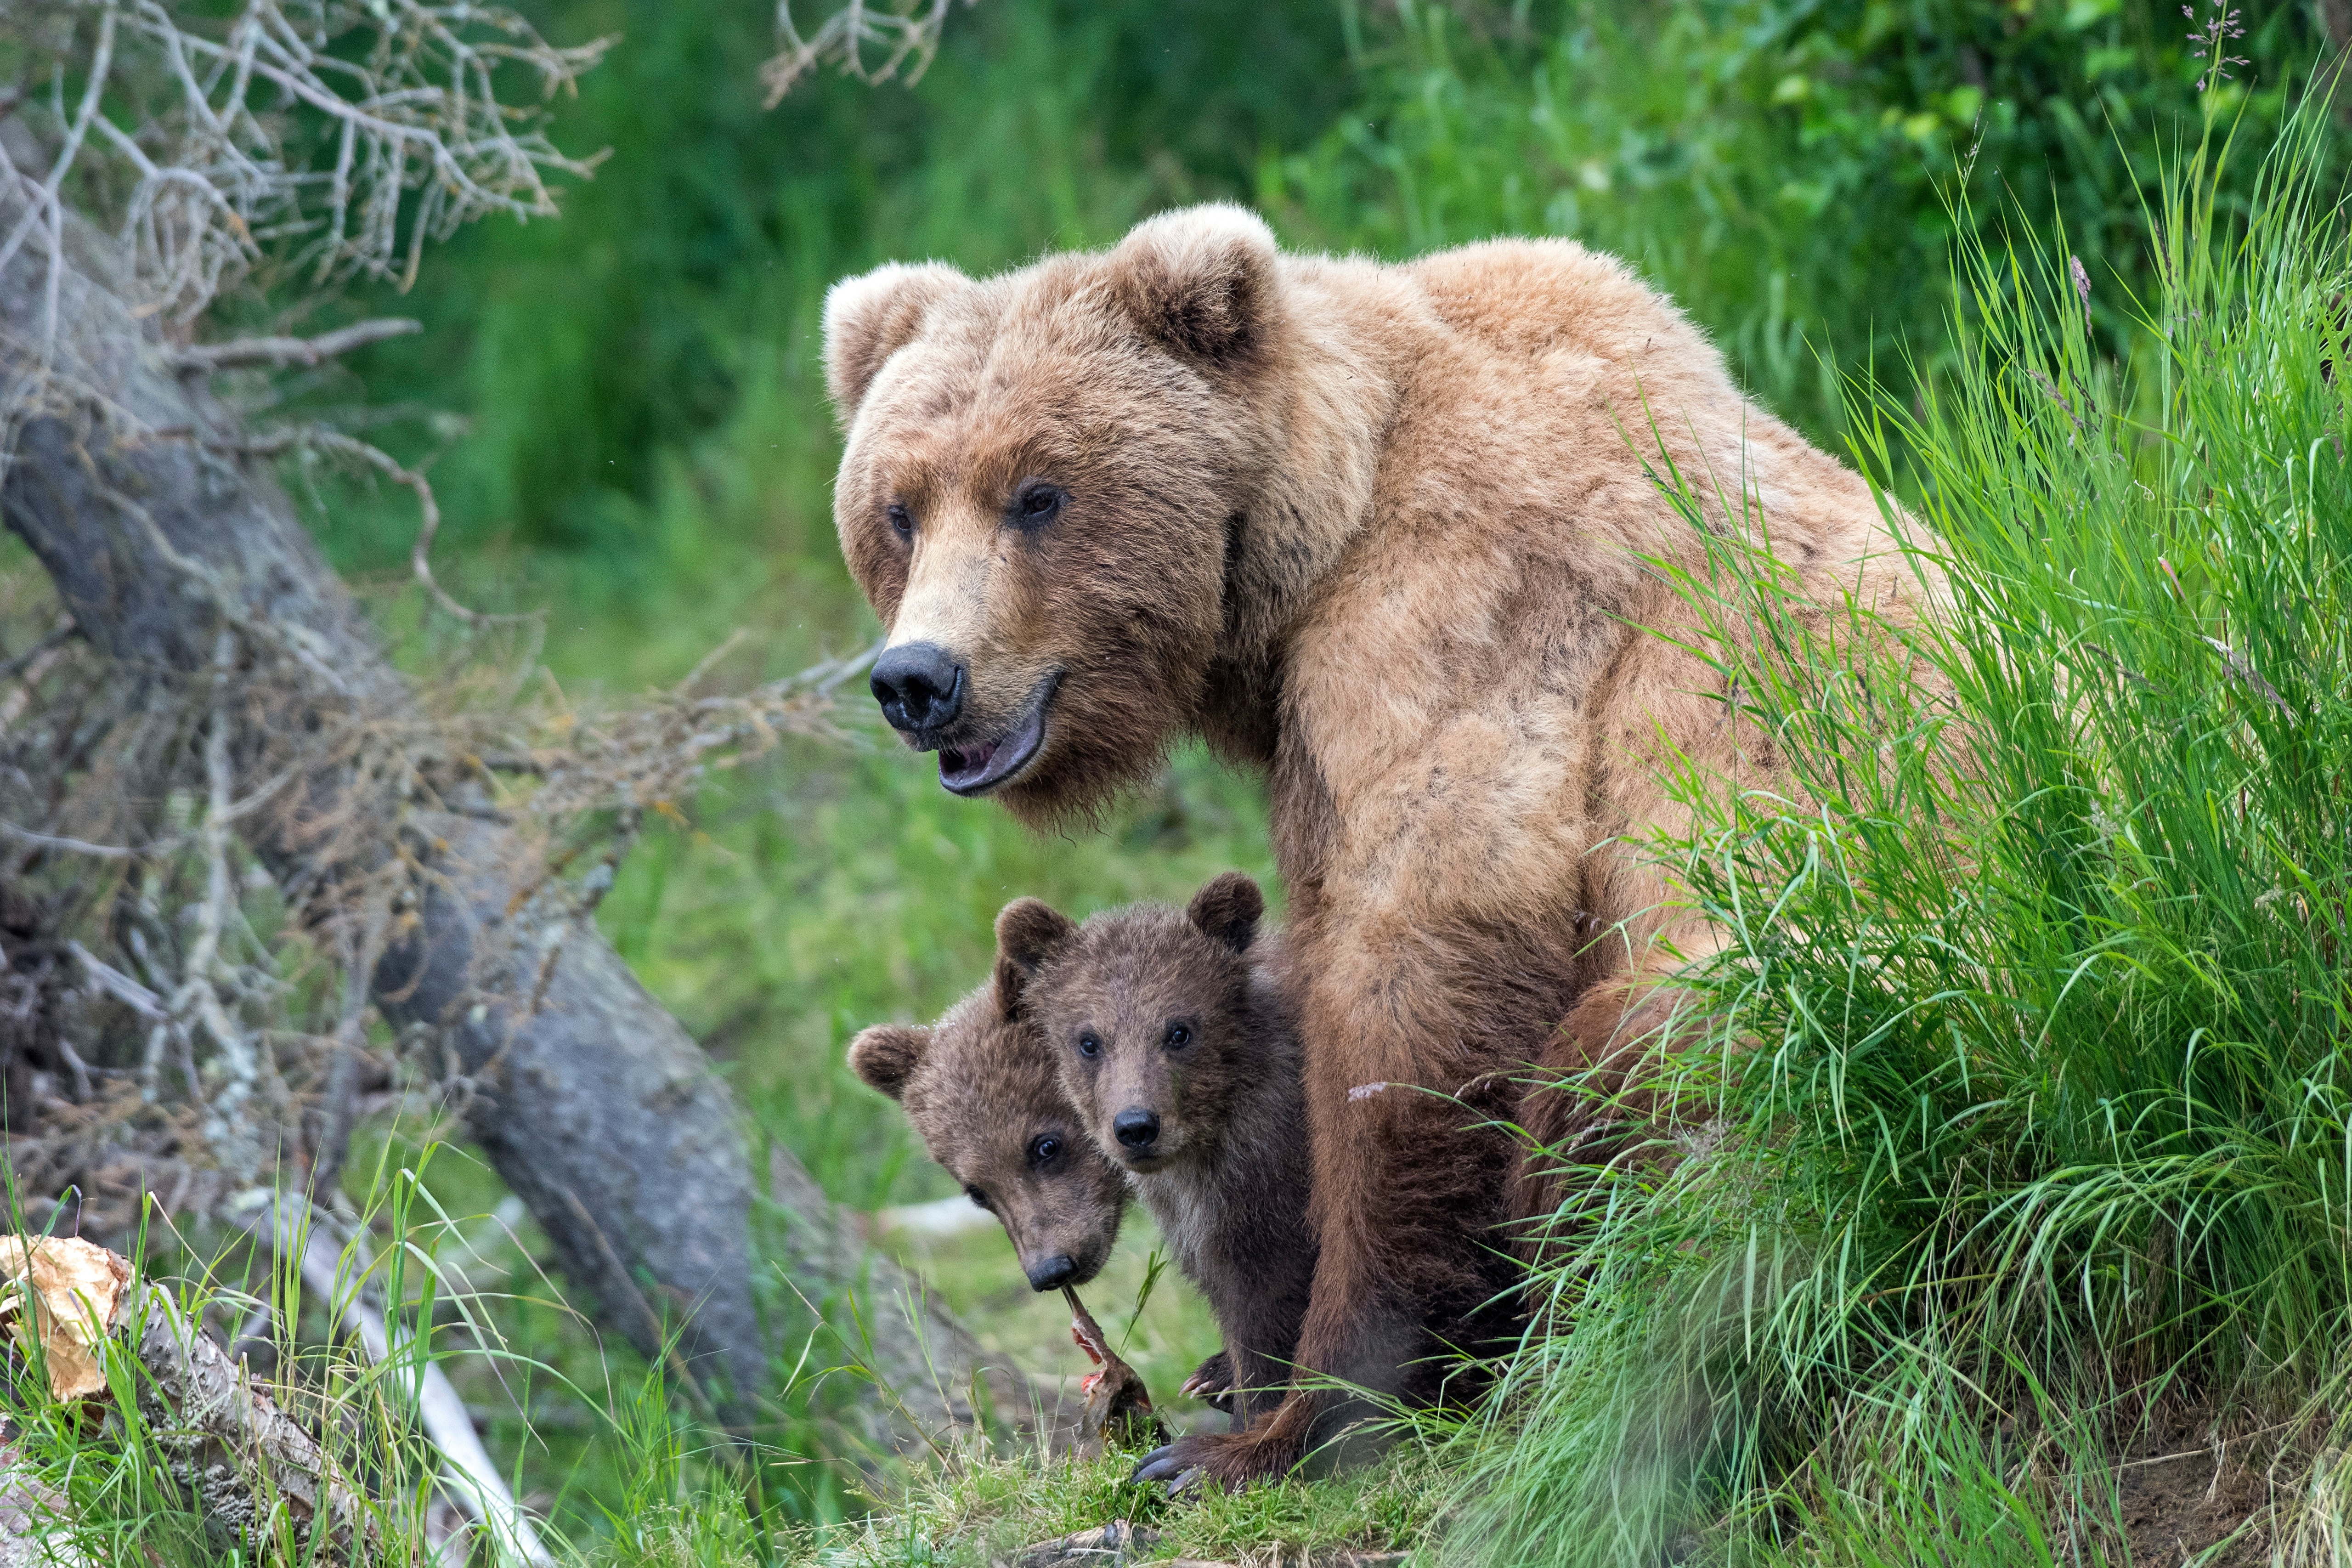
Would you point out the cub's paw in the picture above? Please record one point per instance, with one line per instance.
(1219, 1460)
(1213, 1383)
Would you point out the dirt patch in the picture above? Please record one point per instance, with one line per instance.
(2181, 1493)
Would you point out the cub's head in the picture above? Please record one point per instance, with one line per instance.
(1149, 1010)
(980, 1089)
(1043, 492)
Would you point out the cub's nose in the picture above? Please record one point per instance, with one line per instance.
(1052, 1273)
(1136, 1127)
(919, 686)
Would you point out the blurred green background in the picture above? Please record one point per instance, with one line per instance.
(624, 411)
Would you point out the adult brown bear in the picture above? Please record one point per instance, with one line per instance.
(1387, 532)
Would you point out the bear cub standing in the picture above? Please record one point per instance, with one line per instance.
(1178, 1042)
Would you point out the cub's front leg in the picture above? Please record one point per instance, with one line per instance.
(1410, 1186)
(1212, 1383)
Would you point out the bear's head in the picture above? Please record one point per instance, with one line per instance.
(1149, 1011)
(981, 1090)
(1042, 492)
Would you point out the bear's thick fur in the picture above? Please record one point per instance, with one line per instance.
(1390, 533)
(1177, 1037)
(980, 1089)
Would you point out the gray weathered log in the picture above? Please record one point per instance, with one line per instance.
(237, 1454)
(125, 480)
(35, 1531)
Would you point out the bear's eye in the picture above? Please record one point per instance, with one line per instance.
(976, 1195)
(902, 521)
(1179, 1035)
(1044, 1150)
(1089, 1046)
(1037, 505)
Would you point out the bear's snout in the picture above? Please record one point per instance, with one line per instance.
(1052, 1273)
(1135, 1128)
(920, 689)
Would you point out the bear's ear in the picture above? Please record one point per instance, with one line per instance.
(1011, 984)
(867, 319)
(1201, 282)
(1227, 911)
(887, 1056)
(1028, 932)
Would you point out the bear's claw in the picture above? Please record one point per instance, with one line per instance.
(1263, 1453)
(1212, 1383)
(1164, 1464)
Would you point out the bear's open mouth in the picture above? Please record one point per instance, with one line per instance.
(977, 768)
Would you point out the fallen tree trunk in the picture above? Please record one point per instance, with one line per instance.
(176, 552)
(242, 1460)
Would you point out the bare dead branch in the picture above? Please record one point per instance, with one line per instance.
(336, 136)
(244, 352)
(118, 985)
(65, 846)
(49, 641)
(907, 36)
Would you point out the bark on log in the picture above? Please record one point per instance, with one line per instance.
(593, 1104)
(235, 1451)
(33, 1529)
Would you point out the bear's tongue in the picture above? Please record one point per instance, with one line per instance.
(965, 764)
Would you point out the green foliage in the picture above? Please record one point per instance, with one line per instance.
(697, 258)
(2027, 1094)
(1790, 171)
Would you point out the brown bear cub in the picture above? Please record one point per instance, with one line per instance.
(1178, 1042)
(980, 1089)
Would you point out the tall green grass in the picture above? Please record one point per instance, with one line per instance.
(2024, 1109)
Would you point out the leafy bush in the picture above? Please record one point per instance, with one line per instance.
(1790, 171)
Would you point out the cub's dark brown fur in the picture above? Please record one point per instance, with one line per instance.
(981, 1090)
(1178, 1042)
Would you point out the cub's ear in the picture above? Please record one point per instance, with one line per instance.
(1028, 932)
(887, 1056)
(1228, 910)
(869, 318)
(1201, 282)
(1012, 983)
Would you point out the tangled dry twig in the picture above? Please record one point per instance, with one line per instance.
(906, 35)
(334, 137)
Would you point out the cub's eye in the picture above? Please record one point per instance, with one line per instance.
(902, 521)
(1044, 1150)
(1037, 505)
(1179, 1035)
(976, 1195)
(1089, 1046)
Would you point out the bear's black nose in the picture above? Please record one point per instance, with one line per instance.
(919, 686)
(1052, 1273)
(1137, 1128)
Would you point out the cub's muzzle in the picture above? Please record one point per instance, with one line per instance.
(1052, 1273)
(1135, 1128)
